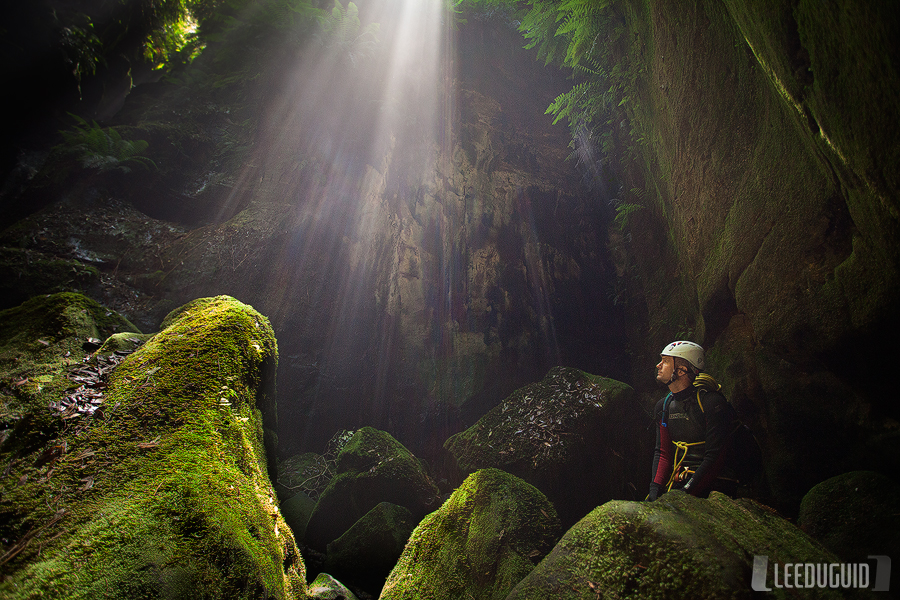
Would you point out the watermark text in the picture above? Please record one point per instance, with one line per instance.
(821, 575)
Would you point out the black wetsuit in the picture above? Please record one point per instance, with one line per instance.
(680, 418)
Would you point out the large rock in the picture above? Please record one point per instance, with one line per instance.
(307, 473)
(366, 553)
(161, 492)
(579, 438)
(479, 544)
(854, 515)
(326, 587)
(372, 468)
(677, 547)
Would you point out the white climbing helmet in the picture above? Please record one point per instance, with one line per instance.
(689, 351)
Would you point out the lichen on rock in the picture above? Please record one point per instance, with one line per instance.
(166, 493)
(486, 537)
(326, 587)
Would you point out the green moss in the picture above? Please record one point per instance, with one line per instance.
(39, 341)
(165, 494)
(124, 342)
(676, 547)
(479, 544)
(296, 511)
(372, 468)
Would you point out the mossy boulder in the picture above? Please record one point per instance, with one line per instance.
(165, 493)
(39, 341)
(854, 515)
(126, 342)
(326, 587)
(296, 511)
(579, 438)
(366, 553)
(371, 468)
(677, 547)
(306, 473)
(485, 538)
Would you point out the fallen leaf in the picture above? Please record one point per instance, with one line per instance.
(151, 444)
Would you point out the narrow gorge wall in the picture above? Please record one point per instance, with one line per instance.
(766, 170)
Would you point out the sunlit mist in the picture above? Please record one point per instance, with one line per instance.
(383, 268)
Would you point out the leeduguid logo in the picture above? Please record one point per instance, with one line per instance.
(821, 575)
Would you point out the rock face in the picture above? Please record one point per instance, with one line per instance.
(412, 278)
(372, 468)
(676, 547)
(767, 227)
(479, 544)
(163, 490)
(579, 438)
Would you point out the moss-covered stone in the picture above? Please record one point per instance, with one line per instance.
(677, 547)
(128, 341)
(367, 552)
(854, 515)
(326, 587)
(372, 468)
(485, 538)
(780, 238)
(39, 341)
(307, 473)
(166, 494)
(579, 438)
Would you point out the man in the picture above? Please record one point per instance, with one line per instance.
(695, 423)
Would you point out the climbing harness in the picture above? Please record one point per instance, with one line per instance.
(703, 382)
(679, 474)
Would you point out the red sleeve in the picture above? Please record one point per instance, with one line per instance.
(663, 456)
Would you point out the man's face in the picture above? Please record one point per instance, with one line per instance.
(664, 369)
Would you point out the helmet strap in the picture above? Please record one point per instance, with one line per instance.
(674, 373)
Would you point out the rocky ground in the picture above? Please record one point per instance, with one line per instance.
(142, 465)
